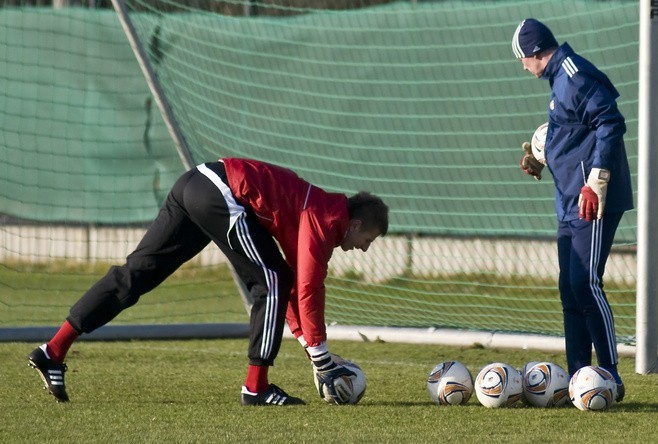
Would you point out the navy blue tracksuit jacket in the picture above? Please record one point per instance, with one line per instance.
(585, 131)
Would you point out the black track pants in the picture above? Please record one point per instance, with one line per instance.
(199, 208)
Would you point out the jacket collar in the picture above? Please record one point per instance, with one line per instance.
(553, 65)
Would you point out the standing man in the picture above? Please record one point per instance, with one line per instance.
(245, 207)
(585, 153)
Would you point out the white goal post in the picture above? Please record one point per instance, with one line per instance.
(170, 120)
(647, 221)
(647, 279)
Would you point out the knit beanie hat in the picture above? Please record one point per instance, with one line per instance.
(532, 37)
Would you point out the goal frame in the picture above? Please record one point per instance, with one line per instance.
(168, 116)
(647, 223)
(647, 284)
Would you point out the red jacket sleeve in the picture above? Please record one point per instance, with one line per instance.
(292, 315)
(315, 245)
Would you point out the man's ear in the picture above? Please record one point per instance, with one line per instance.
(355, 224)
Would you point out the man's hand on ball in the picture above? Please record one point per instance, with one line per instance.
(326, 382)
(529, 164)
(326, 371)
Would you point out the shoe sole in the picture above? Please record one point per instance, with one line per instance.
(45, 381)
(265, 404)
(285, 404)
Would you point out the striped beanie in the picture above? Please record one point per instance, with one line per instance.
(532, 37)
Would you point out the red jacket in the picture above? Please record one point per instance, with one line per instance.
(307, 222)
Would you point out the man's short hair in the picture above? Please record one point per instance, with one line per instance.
(370, 210)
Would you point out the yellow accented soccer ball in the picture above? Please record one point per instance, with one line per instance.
(498, 385)
(538, 141)
(450, 383)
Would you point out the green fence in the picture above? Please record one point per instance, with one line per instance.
(422, 103)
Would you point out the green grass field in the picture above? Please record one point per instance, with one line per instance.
(41, 294)
(188, 391)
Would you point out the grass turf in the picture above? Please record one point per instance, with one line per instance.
(188, 391)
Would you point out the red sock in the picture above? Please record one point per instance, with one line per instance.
(59, 345)
(257, 381)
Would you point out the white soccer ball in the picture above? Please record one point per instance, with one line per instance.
(498, 385)
(592, 388)
(349, 389)
(450, 383)
(538, 141)
(545, 384)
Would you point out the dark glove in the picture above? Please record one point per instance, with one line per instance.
(326, 371)
(529, 163)
(327, 386)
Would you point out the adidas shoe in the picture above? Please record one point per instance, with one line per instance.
(621, 392)
(272, 396)
(51, 372)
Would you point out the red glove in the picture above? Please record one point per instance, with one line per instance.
(588, 204)
(592, 196)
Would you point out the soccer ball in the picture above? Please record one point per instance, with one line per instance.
(592, 388)
(450, 383)
(538, 141)
(498, 385)
(545, 384)
(349, 389)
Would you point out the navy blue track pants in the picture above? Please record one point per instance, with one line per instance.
(583, 249)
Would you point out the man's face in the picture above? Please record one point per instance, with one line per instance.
(357, 237)
(534, 64)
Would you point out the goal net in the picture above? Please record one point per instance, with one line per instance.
(422, 103)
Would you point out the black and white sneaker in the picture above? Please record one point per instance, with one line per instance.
(621, 392)
(272, 396)
(51, 372)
